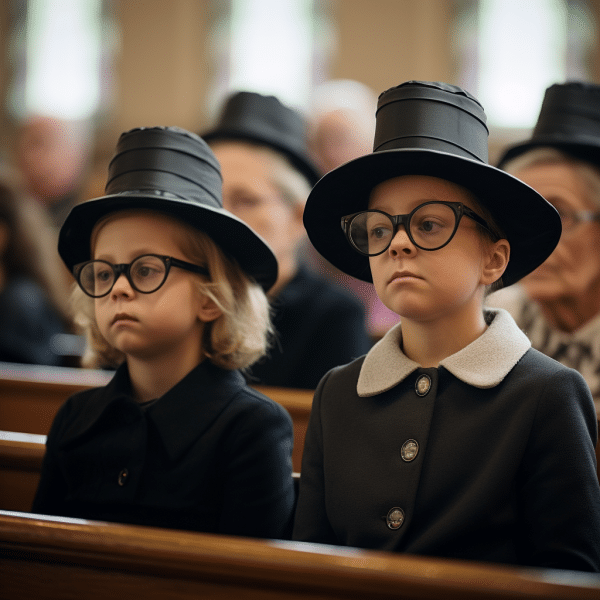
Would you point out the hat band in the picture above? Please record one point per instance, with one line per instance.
(425, 143)
(451, 129)
(157, 182)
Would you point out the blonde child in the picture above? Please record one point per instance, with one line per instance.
(452, 437)
(171, 292)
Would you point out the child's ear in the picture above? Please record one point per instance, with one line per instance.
(208, 310)
(496, 261)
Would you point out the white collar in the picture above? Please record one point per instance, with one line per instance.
(484, 363)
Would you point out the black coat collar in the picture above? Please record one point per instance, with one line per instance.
(180, 416)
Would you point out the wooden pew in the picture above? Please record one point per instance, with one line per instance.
(31, 395)
(21, 456)
(44, 557)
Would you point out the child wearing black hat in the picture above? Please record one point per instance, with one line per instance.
(452, 437)
(171, 290)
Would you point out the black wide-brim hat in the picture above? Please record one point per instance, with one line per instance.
(569, 120)
(439, 130)
(265, 120)
(173, 171)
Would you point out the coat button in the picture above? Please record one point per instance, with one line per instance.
(395, 518)
(423, 385)
(409, 450)
(123, 476)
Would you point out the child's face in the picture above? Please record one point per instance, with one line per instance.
(148, 326)
(428, 285)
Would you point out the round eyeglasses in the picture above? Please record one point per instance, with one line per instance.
(146, 273)
(430, 226)
(570, 219)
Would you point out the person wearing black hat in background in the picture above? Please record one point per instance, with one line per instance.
(172, 293)
(452, 437)
(260, 144)
(558, 305)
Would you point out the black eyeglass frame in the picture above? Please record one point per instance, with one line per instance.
(458, 208)
(125, 269)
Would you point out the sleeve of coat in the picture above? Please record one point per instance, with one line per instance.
(558, 483)
(259, 493)
(52, 487)
(311, 523)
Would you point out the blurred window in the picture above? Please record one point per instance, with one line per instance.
(510, 51)
(268, 46)
(60, 49)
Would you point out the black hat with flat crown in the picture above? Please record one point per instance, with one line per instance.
(569, 120)
(172, 171)
(265, 120)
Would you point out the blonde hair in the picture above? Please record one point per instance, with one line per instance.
(235, 340)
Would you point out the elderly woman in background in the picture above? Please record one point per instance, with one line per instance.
(260, 144)
(558, 305)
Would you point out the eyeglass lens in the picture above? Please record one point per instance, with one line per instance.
(146, 274)
(431, 226)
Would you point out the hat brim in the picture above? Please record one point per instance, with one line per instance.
(296, 157)
(231, 234)
(531, 224)
(584, 150)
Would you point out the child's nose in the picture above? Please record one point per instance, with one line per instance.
(122, 287)
(401, 243)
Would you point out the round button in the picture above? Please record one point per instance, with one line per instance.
(395, 518)
(123, 477)
(409, 450)
(423, 385)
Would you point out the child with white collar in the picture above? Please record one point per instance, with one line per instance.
(452, 437)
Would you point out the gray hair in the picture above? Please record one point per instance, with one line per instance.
(547, 155)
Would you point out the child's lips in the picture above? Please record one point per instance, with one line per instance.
(403, 275)
(122, 317)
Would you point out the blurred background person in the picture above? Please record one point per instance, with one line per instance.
(558, 305)
(34, 326)
(267, 176)
(53, 156)
(342, 128)
(341, 122)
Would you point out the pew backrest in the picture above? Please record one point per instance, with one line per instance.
(44, 557)
(21, 456)
(30, 395)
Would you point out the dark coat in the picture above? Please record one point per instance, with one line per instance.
(319, 326)
(210, 455)
(28, 324)
(492, 461)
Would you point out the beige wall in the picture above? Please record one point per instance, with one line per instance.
(162, 75)
(385, 42)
